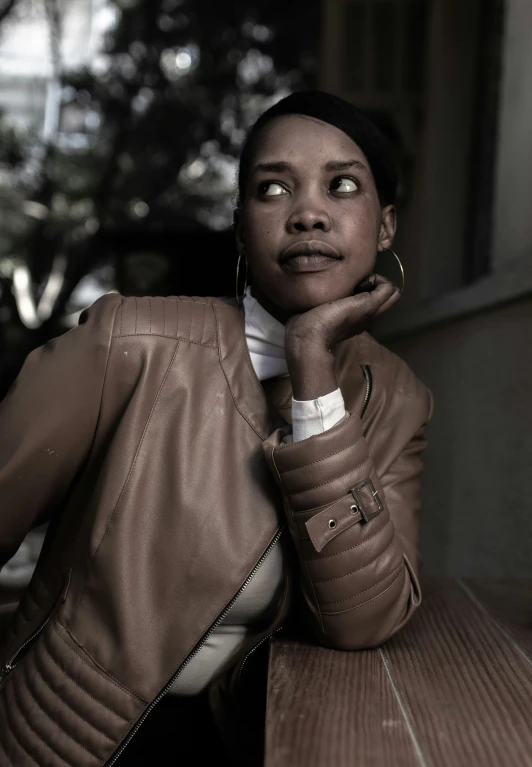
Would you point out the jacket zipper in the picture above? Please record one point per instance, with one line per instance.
(268, 637)
(369, 385)
(10, 665)
(12, 662)
(196, 650)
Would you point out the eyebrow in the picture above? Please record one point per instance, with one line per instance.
(283, 167)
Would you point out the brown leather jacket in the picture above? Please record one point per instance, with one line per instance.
(146, 438)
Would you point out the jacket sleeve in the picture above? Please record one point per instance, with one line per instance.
(355, 529)
(47, 422)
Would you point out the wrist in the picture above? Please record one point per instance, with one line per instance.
(303, 349)
(311, 371)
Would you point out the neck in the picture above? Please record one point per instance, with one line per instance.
(283, 315)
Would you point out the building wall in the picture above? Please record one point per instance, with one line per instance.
(477, 496)
(513, 223)
(476, 490)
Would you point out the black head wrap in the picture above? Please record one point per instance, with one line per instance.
(343, 115)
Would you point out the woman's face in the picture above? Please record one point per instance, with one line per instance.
(311, 222)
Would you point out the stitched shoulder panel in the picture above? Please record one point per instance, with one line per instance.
(394, 369)
(190, 318)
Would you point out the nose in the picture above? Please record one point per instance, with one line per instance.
(308, 215)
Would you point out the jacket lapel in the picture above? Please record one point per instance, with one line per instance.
(247, 391)
(268, 404)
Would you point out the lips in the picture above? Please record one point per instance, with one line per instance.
(309, 248)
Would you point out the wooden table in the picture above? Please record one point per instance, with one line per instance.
(452, 689)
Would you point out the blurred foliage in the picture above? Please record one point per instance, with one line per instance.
(169, 99)
(146, 140)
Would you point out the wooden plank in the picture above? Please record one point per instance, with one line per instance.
(468, 690)
(451, 688)
(509, 602)
(328, 708)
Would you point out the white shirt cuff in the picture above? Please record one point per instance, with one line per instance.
(315, 416)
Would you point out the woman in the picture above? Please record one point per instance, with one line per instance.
(211, 467)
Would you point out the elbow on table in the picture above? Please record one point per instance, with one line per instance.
(372, 623)
(358, 641)
(361, 641)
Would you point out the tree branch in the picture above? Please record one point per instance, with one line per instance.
(6, 9)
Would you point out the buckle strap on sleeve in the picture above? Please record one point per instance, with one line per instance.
(339, 516)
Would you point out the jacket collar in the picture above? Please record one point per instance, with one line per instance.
(267, 405)
(247, 391)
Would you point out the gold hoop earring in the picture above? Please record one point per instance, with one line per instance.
(400, 267)
(240, 302)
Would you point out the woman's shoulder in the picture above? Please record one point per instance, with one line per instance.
(189, 318)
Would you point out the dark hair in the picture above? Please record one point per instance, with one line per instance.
(343, 115)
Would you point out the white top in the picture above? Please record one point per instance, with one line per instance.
(265, 339)
(258, 602)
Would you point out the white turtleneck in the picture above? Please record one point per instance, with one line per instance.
(265, 340)
(258, 602)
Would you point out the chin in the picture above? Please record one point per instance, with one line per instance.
(302, 298)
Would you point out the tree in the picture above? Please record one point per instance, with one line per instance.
(147, 139)
(172, 94)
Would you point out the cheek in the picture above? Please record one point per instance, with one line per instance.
(261, 229)
(363, 221)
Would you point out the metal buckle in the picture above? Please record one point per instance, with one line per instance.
(360, 501)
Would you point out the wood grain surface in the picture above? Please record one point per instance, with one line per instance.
(452, 689)
(509, 602)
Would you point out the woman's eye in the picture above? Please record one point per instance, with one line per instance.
(344, 184)
(271, 189)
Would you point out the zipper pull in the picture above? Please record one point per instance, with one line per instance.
(6, 669)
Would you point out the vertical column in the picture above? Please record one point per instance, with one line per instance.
(512, 215)
(443, 192)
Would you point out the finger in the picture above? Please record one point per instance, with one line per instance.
(381, 293)
(367, 302)
(379, 279)
(375, 301)
(396, 295)
(369, 284)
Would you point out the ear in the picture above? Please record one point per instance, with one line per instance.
(388, 227)
(239, 228)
